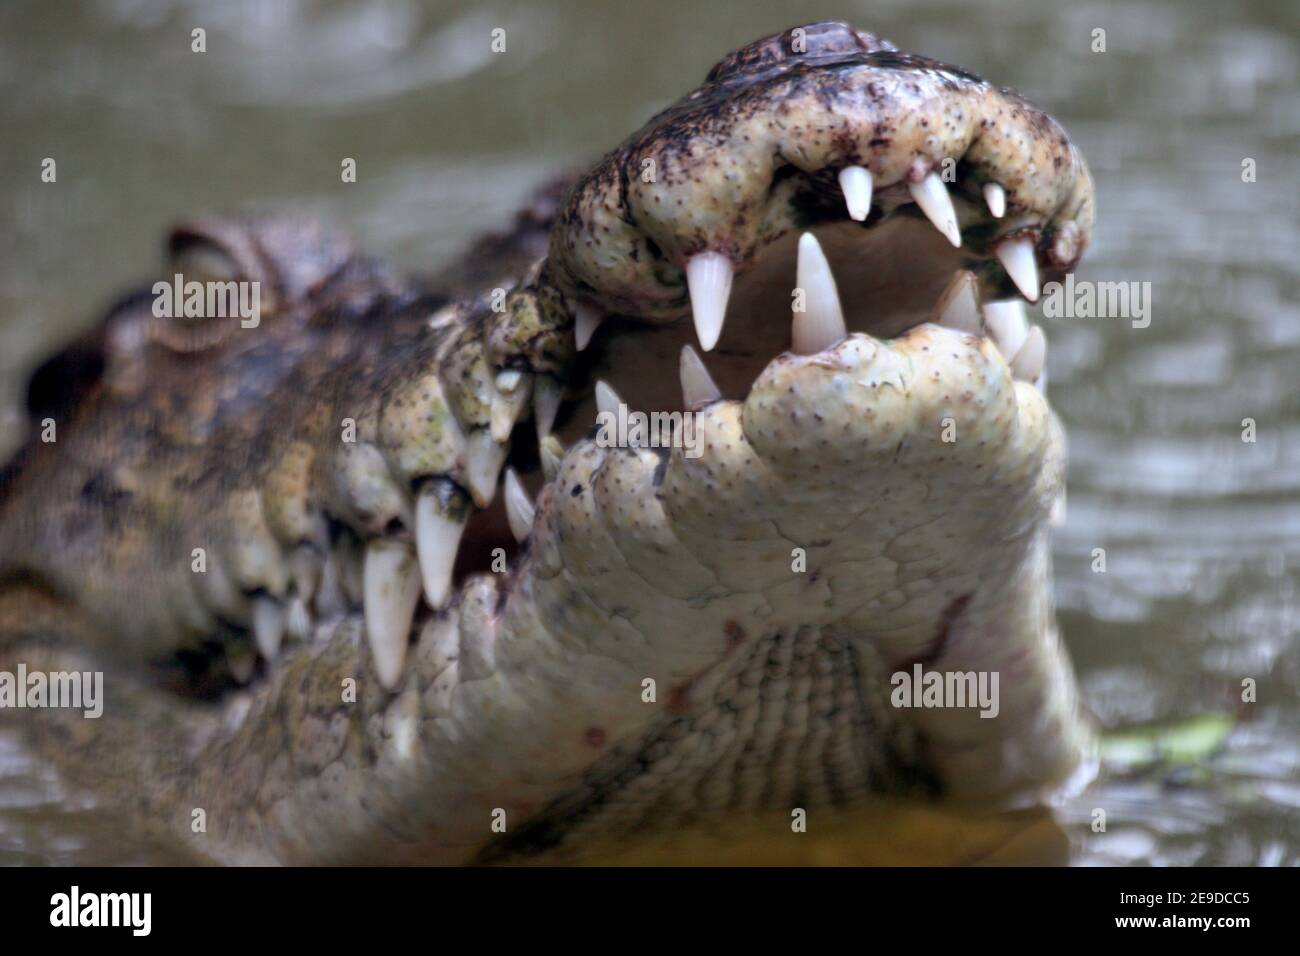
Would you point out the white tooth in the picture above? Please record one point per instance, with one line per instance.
(484, 457)
(932, 196)
(607, 399)
(298, 623)
(1017, 257)
(855, 181)
(503, 414)
(268, 625)
(392, 590)
(547, 395)
(698, 388)
(586, 319)
(519, 510)
(1007, 324)
(402, 724)
(959, 306)
(552, 454)
(508, 381)
(440, 515)
(996, 199)
(1028, 363)
(708, 277)
(507, 402)
(821, 324)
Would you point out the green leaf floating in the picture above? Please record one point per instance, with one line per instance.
(1179, 744)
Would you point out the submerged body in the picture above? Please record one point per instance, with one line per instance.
(328, 623)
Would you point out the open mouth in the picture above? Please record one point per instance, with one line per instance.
(795, 200)
(805, 293)
(798, 206)
(932, 195)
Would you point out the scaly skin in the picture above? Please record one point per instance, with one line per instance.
(522, 695)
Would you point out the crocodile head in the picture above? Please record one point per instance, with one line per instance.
(369, 583)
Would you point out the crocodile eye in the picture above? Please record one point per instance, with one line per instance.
(211, 272)
(203, 260)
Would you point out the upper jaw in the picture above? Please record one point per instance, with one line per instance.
(777, 140)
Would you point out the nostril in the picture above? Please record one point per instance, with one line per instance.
(394, 526)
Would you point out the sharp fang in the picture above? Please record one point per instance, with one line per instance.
(1028, 363)
(392, 583)
(586, 320)
(440, 515)
(547, 395)
(697, 385)
(708, 277)
(1017, 257)
(607, 399)
(932, 196)
(821, 324)
(855, 181)
(268, 625)
(959, 305)
(298, 622)
(552, 454)
(519, 510)
(698, 388)
(507, 402)
(996, 199)
(1007, 323)
(484, 456)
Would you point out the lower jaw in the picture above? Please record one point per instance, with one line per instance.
(533, 682)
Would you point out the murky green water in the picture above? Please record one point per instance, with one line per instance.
(1201, 530)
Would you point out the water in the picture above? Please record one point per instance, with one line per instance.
(1201, 530)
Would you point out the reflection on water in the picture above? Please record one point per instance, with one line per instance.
(1201, 530)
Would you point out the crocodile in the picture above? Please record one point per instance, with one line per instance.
(376, 577)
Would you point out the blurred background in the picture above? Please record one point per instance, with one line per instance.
(1201, 530)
